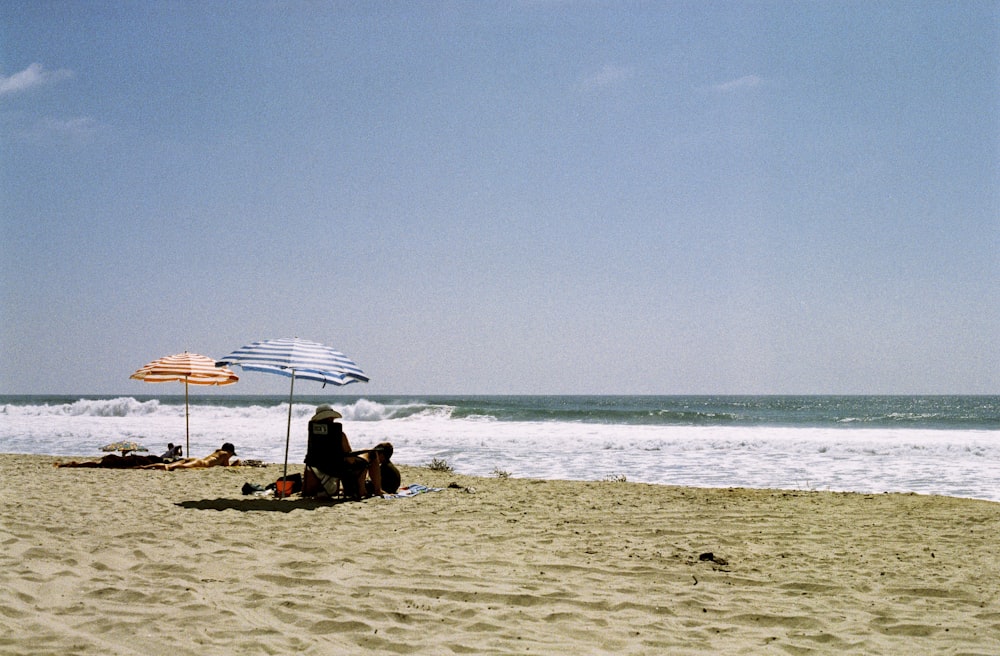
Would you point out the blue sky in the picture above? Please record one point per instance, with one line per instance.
(518, 197)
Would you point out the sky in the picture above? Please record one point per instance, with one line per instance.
(525, 197)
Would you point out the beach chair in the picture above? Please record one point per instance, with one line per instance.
(337, 470)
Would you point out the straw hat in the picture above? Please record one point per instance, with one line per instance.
(325, 411)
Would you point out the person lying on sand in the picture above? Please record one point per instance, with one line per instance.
(130, 461)
(218, 458)
(115, 461)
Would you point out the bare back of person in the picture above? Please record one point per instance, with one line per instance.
(218, 458)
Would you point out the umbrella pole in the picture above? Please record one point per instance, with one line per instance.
(187, 421)
(288, 435)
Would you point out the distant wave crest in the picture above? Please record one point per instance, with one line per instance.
(361, 410)
(366, 410)
(119, 407)
(861, 412)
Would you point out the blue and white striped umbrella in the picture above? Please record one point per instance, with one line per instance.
(296, 358)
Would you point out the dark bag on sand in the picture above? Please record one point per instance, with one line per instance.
(251, 488)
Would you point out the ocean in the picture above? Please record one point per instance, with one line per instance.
(924, 444)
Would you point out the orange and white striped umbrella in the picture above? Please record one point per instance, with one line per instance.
(191, 369)
(186, 367)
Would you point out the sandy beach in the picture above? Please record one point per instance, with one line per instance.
(149, 562)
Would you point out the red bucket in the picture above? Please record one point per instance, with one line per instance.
(283, 488)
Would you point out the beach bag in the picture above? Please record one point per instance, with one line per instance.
(287, 485)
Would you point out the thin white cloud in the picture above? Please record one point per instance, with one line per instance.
(607, 76)
(81, 130)
(83, 126)
(739, 84)
(33, 76)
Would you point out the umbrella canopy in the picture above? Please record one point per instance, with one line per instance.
(296, 358)
(125, 447)
(192, 369)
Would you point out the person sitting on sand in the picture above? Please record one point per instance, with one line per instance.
(172, 453)
(391, 478)
(218, 458)
(335, 458)
(373, 486)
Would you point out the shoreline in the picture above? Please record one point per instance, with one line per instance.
(101, 561)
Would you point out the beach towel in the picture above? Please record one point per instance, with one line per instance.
(411, 491)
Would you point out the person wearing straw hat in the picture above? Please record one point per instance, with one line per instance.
(333, 462)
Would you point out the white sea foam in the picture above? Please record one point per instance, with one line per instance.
(953, 462)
